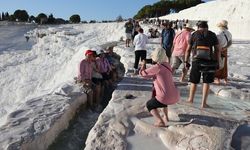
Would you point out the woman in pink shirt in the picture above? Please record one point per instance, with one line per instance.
(85, 72)
(166, 92)
(85, 67)
(104, 66)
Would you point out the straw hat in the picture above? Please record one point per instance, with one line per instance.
(222, 24)
(159, 55)
(188, 26)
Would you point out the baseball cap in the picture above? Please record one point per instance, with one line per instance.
(88, 52)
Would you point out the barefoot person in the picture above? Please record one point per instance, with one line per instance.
(225, 41)
(165, 91)
(202, 41)
(180, 44)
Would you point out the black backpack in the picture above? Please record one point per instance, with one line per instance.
(202, 49)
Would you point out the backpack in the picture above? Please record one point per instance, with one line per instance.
(202, 49)
(229, 42)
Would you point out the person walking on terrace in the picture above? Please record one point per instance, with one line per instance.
(225, 41)
(167, 37)
(140, 42)
(128, 30)
(204, 45)
(165, 93)
(179, 48)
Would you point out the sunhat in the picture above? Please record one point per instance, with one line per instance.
(222, 24)
(159, 55)
(188, 26)
(99, 52)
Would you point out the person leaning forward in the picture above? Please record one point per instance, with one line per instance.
(164, 90)
(204, 46)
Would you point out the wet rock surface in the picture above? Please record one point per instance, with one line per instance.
(189, 126)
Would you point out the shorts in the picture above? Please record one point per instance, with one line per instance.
(177, 61)
(97, 81)
(168, 51)
(129, 36)
(196, 71)
(154, 104)
(106, 76)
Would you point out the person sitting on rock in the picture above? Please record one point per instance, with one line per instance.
(105, 67)
(165, 93)
(97, 79)
(84, 77)
(114, 61)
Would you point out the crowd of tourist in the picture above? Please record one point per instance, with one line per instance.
(201, 51)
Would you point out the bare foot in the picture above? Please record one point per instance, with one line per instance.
(181, 80)
(217, 81)
(205, 106)
(190, 101)
(165, 119)
(160, 124)
(225, 82)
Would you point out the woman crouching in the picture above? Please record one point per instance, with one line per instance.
(164, 91)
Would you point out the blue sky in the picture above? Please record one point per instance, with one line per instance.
(87, 9)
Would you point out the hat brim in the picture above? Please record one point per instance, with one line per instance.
(221, 25)
(88, 54)
(189, 28)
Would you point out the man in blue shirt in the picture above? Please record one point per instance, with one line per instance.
(167, 37)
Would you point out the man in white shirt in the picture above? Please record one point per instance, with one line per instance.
(140, 42)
